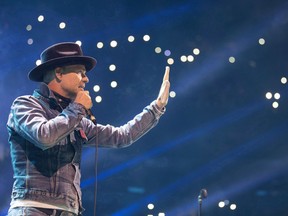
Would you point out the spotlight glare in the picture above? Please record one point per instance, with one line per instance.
(150, 206)
(275, 105)
(232, 59)
(183, 58)
(172, 94)
(277, 96)
(100, 45)
(268, 95)
(62, 25)
(233, 207)
(98, 99)
(146, 38)
(158, 50)
(167, 53)
(170, 61)
(41, 18)
(261, 41)
(38, 62)
(113, 84)
(79, 43)
(112, 67)
(283, 80)
(30, 41)
(96, 88)
(196, 51)
(29, 27)
(161, 214)
(190, 58)
(113, 43)
(131, 38)
(221, 204)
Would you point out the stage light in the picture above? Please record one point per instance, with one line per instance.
(98, 99)
(131, 38)
(232, 59)
(268, 95)
(38, 62)
(96, 88)
(196, 51)
(275, 105)
(172, 94)
(62, 25)
(146, 38)
(261, 41)
(277, 96)
(41, 18)
(233, 207)
(150, 206)
(167, 53)
(112, 67)
(30, 41)
(79, 43)
(161, 214)
(29, 27)
(190, 58)
(158, 50)
(283, 80)
(170, 61)
(183, 58)
(113, 84)
(221, 204)
(100, 45)
(113, 43)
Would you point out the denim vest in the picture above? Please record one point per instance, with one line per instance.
(46, 144)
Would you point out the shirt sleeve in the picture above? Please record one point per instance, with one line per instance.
(123, 136)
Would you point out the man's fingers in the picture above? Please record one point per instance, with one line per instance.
(166, 75)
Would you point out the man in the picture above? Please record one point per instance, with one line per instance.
(48, 129)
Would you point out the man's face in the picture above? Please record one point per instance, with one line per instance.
(73, 80)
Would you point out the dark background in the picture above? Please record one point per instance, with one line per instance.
(219, 132)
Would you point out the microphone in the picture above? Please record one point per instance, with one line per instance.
(91, 116)
(202, 195)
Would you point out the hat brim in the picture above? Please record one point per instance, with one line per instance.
(38, 72)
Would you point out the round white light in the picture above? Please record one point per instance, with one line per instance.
(283, 80)
(131, 38)
(62, 25)
(113, 43)
(190, 58)
(41, 18)
(221, 204)
(277, 96)
(98, 99)
(261, 41)
(96, 88)
(232, 59)
(275, 105)
(268, 95)
(150, 206)
(233, 207)
(38, 62)
(29, 27)
(146, 37)
(100, 45)
(113, 84)
(158, 50)
(170, 61)
(183, 58)
(196, 51)
(112, 67)
(172, 94)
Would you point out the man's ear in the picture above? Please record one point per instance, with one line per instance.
(58, 73)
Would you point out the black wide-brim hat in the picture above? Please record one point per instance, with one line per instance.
(58, 55)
